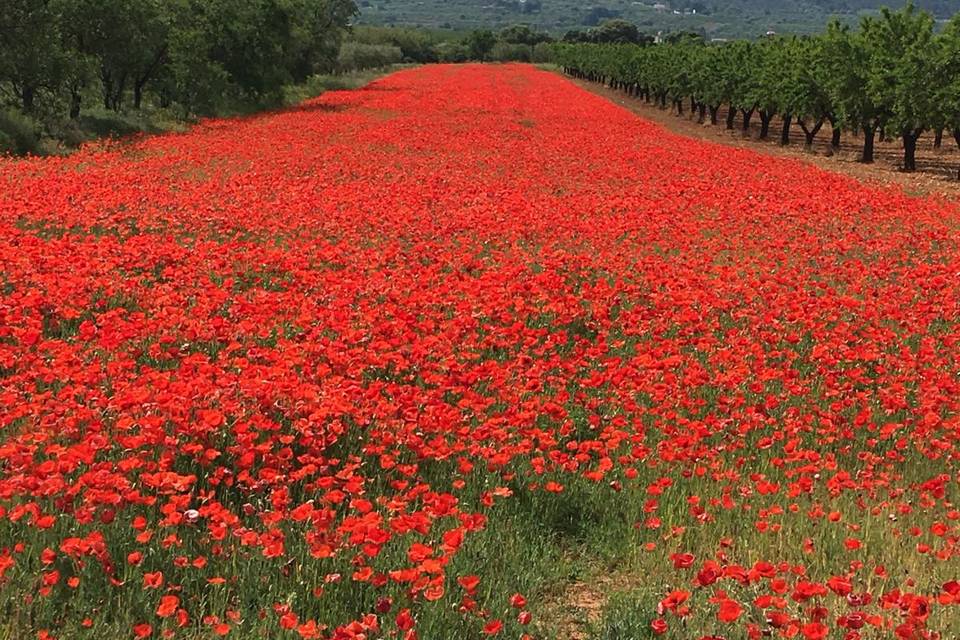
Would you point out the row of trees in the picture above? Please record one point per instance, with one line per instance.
(615, 31)
(57, 54)
(516, 43)
(416, 45)
(893, 76)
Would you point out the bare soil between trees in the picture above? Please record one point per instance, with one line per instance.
(937, 169)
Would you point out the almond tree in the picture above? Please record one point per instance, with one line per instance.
(808, 95)
(947, 100)
(774, 58)
(902, 78)
(847, 60)
(707, 63)
(744, 63)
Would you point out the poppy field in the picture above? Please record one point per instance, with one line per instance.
(407, 361)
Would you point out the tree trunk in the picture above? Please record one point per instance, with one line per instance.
(869, 131)
(75, 99)
(28, 96)
(882, 134)
(140, 81)
(679, 103)
(956, 136)
(785, 130)
(765, 118)
(731, 114)
(702, 113)
(938, 139)
(910, 138)
(811, 133)
(118, 97)
(106, 82)
(835, 132)
(747, 116)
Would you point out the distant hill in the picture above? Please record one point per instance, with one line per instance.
(712, 18)
(940, 8)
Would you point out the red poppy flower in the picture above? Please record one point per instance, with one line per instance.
(729, 611)
(492, 628)
(168, 606)
(153, 580)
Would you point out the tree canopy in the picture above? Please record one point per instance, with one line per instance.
(197, 53)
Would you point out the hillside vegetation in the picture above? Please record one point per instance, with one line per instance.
(711, 18)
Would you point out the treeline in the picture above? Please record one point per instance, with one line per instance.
(894, 76)
(370, 46)
(615, 31)
(937, 7)
(60, 56)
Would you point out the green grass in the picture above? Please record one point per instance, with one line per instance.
(320, 84)
(535, 543)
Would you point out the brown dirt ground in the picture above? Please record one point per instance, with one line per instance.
(580, 605)
(936, 168)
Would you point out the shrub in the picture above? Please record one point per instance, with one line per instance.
(356, 56)
(542, 52)
(506, 52)
(415, 45)
(452, 52)
(18, 133)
